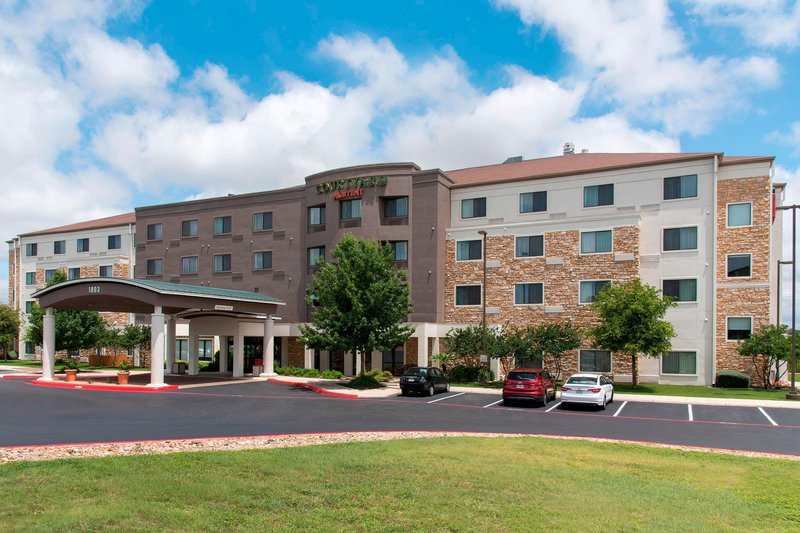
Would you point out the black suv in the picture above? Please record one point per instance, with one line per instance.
(423, 379)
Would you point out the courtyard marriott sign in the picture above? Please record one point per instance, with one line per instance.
(351, 187)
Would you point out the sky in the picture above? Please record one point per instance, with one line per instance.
(108, 105)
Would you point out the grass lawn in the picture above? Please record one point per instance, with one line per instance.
(453, 484)
(489, 385)
(700, 391)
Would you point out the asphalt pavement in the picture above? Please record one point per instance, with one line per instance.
(40, 415)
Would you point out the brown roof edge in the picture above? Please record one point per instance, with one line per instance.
(397, 164)
(245, 195)
(438, 172)
(106, 222)
(743, 159)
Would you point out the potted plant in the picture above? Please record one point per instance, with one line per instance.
(71, 368)
(124, 372)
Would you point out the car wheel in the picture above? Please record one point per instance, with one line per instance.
(431, 390)
(403, 392)
(612, 397)
(603, 405)
(544, 398)
(507, 402)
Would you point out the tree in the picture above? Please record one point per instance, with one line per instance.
(360, 300)
(631, 322)
(765, 347)
(466, 345)
(554, 340)
(9, 327)
(135, 337)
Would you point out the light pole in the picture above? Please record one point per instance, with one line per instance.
(778, 310)
(792, 394)
(483, 288)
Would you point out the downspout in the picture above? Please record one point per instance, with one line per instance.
(713, 263)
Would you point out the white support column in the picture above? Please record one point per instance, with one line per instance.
(48, 345)
(170, 343)
(223, 354)
(194, 350)
(348, 364)
(238, 351)
(435, 350)
(157, 348)
(422, 348)
(269, 347)
(377, 359)
(308, 357)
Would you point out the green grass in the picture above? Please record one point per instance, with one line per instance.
(489, 385)
(700, 391)
(454, 484)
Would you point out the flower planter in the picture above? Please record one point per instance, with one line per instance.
(122, 378)
(71, 374)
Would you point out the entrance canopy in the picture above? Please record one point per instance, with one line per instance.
(156, 298)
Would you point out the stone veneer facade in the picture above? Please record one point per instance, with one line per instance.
(742, 296)
(561, 282)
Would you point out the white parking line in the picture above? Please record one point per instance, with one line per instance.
(494, 403)
(691, 416)
(621, 407)
(771, 421)
(556, 405)
(447, 397)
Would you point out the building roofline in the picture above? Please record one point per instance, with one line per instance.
(98, 223)
(354, 168)
(253, 194)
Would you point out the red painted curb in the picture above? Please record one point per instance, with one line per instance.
(314, 388)
(20, 376)
(92, 386)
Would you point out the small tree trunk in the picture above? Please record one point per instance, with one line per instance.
(634, 372)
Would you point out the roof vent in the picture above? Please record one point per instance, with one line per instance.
(569, 148)
(515, 159)
(585, 151)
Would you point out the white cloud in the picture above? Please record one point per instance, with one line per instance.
(789, 138)
(765, 23)
(635, 57)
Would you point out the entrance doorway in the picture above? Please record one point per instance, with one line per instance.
(254, 349)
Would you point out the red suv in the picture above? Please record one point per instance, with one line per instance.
(529, 384)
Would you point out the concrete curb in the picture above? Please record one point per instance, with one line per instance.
(93, 386)
(314, 388)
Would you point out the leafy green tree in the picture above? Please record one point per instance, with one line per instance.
(135, 336)
(9, 327)
(631, 322)
(467, 344)
(553, 340)
(764, 348)
(360, 300)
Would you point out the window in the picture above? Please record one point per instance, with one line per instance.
(154, 267)
(48, 275)
(154, 232)
(533, 202)
(528, 293)
(589, 290)
(222, 263)
(189, 228)
(680, 187)
(316, 215)
(468, 295)
(83, 245)
(262, 260)
(74, 273)
(740, 215)
(532, 246)
(680, 239)
(395, 207)
(222, 225)
(473, 208)
(114, 242)
(181, 349)
(30, 348)
(597, 195)
(739, 327)
(30, 278)
(680, 290)
(392, 360)
(596, 242)
(350, 209)
(595, 361)
(262, 221)
(400, 249)
(315, 254)
(29, 307)
(206, 349)
(106, 271)
(679, 363)
(31, 249)
(739, 265)
(189, 264)
(59, 247)
(468, 250)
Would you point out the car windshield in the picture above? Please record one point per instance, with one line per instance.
(416, 371)
(582, 380)
(523, 376)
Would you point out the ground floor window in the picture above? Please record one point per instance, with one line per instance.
(595, 361)
(30, 348)
(182, 349)
(393, 360)
(206, 349)
(679, 363)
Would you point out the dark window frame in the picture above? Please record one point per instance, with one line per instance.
(468, 295)
(604, 197)
(538, 202)
(531, 284)
(478, 207)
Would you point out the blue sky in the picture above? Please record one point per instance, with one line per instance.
(111, 105)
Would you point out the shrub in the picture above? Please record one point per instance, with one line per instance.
(732, 379)
(209, 366)
(331, 374)
(13, 355)
(380, 375)
(364, 381)
(298, 371)
(464, 374)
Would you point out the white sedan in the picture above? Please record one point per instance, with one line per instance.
(588, 388)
